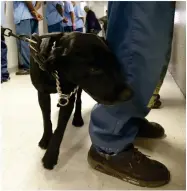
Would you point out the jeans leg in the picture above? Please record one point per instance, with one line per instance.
(141, 45)
(54, 28)
(79, 30)
(4, 67)
(34, 26)
(27, 27)
(68, 29)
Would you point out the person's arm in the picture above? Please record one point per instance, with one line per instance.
(72, 15)
(60, 9)
(81, 16)
(82, 19)
(33, 11)
(38, 5)
(30, 6)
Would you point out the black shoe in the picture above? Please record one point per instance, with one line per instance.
(149, 129)
(22, 72)
(131, 166)
(5, 80)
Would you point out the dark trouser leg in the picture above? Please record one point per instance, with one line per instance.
(77, 119)
(79, 30)
(4, 67)
(56, 28)
(51, 156)
(68, 29)
(26, 27)
(45, 105)
(146, 34)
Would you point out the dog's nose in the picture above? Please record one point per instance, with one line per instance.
(125, 94)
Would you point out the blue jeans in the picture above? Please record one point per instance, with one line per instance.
(68, 29)
(79, 30)
(27, 27)
(58, 27)
(141, 44)
(4, 67)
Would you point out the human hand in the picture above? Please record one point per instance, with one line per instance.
(65, 20)
(37, 15)
(74, 27)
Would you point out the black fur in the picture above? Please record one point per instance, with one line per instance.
(82, 60)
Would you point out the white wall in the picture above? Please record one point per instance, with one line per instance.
(10, 41)
(178, 59)
(99, 7)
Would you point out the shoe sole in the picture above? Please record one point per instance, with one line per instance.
(111, 172)
(23, 74)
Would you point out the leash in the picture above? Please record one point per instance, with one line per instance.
(63, 98)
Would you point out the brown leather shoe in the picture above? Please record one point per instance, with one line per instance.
(131, 166)
(149, 129)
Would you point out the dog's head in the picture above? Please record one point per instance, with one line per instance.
(85, 60)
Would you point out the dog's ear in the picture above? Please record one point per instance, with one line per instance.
(64, 48)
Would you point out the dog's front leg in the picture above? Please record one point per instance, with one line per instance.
(51, 156)
(77, 119)
(45, 105)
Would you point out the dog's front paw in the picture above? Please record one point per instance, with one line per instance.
(50, 160)
(44, 142)
(78, 122)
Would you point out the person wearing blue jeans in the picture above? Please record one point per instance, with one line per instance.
(26, 20)
(54, 16)
(4, 64)
(141, 43)
(79, 17)
(69, 14)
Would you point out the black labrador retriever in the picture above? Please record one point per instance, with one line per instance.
(67, 63)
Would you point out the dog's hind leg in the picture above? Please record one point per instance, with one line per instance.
(51, 156)
(45, 105)
(77, 118)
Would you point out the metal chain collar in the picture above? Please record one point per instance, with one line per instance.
(65, 97)
(8, 32)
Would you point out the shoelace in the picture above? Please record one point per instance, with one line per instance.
(138, 156)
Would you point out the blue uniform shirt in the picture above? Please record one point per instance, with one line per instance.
(21, 11)
(52, 15)
(78, 13)
(68, 7)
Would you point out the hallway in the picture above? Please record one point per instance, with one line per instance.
(22, 129)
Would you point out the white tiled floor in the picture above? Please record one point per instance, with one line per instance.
(22, 129)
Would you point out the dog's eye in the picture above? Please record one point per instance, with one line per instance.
(95, 70)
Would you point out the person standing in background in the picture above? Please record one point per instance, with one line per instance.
(92, 23)
(54, 16)
(70, 16)
(26, 19)
(79, 17)
(4, 65)
(104, 21)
